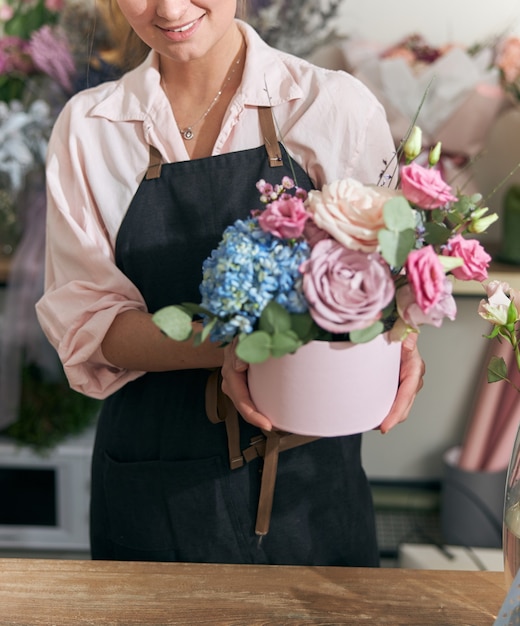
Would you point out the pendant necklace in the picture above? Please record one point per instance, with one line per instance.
(187, 132)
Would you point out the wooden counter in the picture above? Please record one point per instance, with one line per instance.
(45, 592)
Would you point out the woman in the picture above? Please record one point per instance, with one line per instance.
(143, 176)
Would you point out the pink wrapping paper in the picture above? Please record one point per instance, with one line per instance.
(328, 389)
(493, 423)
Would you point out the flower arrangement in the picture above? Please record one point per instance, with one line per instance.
(501, 308)
(31, 46)
(348, 262)
(36, 70)
(465, 93)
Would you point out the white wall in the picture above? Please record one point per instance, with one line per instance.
(454, 355)
(465, 21)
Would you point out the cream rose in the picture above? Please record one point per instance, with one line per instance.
(350, 212)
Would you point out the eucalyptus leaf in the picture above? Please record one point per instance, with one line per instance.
(174, 322)
(284, 343)
(367, 334)
(497, 369)
(395, 246)
(274, 318)
(398, 214)
(254, 348)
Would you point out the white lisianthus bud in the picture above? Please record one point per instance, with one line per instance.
(482, 224)
(413, 145)
(435, 154)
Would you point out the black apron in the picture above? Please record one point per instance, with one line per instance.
(162, 488)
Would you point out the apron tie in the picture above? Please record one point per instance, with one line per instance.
(268, 446)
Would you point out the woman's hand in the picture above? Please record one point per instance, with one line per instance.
(234, 385)
(410, 383)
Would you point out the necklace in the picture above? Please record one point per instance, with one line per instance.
(187, 132)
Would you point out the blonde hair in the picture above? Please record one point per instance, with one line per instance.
(131, 50)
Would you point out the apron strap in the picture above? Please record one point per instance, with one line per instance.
(268, 445)
(154, 164)
(269, 134)
(267, 126)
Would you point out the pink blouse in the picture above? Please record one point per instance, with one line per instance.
(98, 154)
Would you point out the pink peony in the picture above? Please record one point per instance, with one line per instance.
(426, 276)
(346, 289)
(284, 218)
(412, 314)
(350, 212)
(476, 259)
(425, 187)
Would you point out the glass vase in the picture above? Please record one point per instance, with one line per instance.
(511, 528)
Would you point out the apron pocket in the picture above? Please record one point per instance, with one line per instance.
(203, 511)
(183, 509)
(135, 506)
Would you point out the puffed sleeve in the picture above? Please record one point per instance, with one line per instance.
(84, 289)
(354, 138)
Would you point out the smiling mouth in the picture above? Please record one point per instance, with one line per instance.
(186, 27)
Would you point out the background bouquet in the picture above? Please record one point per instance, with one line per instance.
(467, 92)
(349, 262)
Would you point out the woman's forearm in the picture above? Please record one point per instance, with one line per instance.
(134, 342)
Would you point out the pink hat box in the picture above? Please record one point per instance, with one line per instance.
(328, 389)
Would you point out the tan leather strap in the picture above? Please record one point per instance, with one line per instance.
(219, 408)
(154, 164)
(270, 138)
(270, 141)
(268, 445)
(265, 501)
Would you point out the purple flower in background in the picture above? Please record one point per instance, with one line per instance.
(51, 55)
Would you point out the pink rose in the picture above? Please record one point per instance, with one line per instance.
(350, 212)
(426, 276)
(284, 218)
(346, 289)
(508, 59)
(414, 316)
(476, 259)
(425, 187)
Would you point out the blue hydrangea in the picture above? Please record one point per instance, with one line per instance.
(247, 270)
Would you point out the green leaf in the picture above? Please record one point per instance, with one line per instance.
(174, 322)
(395, 246)
(274, 318)
(497, 369)
(367, 334)
(284, 343)
(254, 348)
(195, 309)
(436, 234)
(512, 315)
(398, 214)
(206, 331)
(304, 326)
